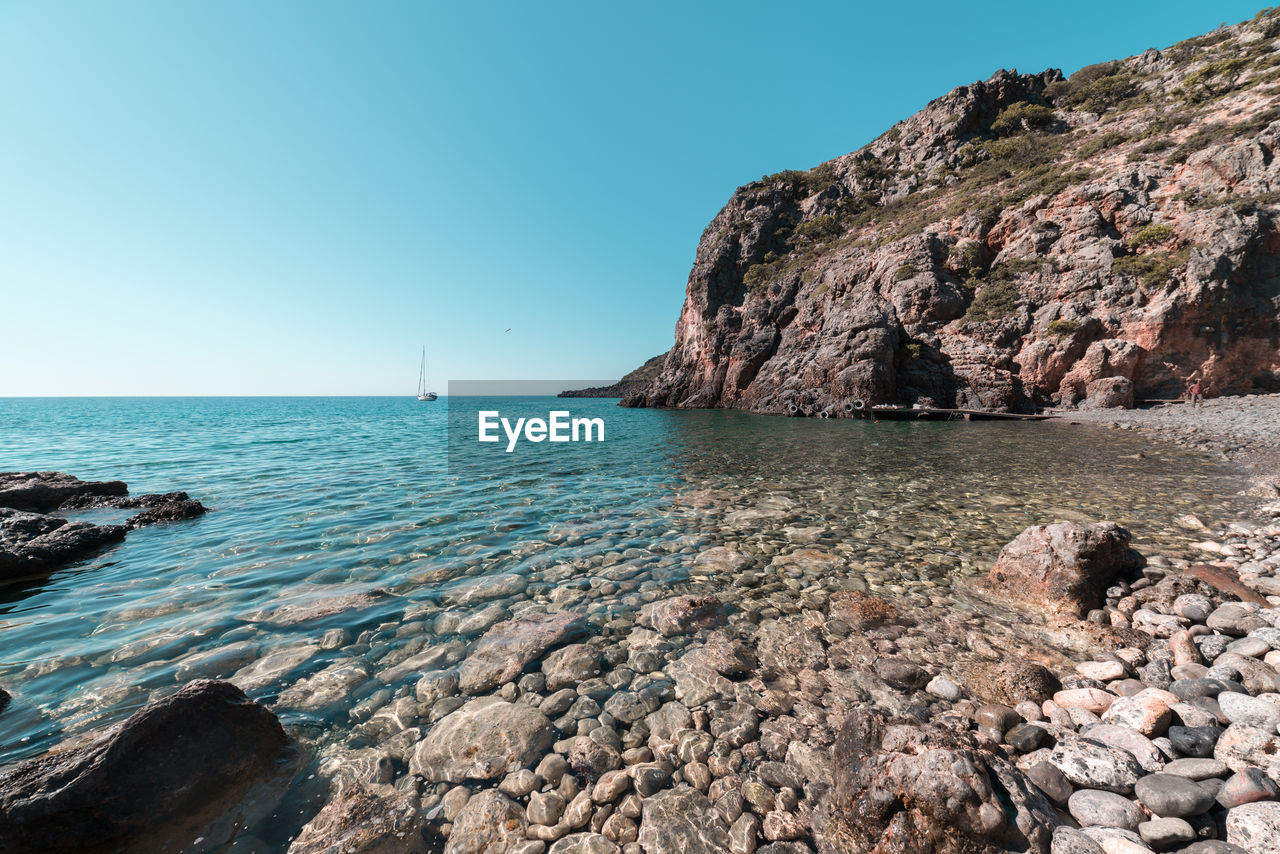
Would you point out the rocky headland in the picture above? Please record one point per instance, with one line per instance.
(36, 538)
(1021, 242)
(629, 384)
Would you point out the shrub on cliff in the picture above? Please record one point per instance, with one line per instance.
(1157, 232)
(1094, 88)
(906, 271)
(1154, 269)
(1022, 117)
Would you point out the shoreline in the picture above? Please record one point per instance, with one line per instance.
(721, 714)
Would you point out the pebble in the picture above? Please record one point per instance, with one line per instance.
(1170, 795)
(1091, 807)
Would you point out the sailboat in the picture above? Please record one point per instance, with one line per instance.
(423, 394)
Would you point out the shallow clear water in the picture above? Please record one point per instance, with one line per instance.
(314, 497)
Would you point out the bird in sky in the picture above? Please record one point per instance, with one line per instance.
(505, 331)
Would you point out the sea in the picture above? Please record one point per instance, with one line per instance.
(316, 497)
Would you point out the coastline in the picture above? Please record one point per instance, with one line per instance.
(722, 712)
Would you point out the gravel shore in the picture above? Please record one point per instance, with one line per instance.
(1244, 429)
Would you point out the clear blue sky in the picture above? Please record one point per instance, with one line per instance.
(292, 197)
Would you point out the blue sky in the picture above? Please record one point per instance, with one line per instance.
(293, 197)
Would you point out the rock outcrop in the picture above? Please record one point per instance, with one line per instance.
(33, 543)
(181, 774)
(629, 384)
(1022, 241)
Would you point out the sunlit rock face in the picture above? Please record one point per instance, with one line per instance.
(1022, 241)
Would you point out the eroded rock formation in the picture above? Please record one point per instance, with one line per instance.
(1022, 241)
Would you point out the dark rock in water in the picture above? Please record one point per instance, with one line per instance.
(508, 647)
(683, 820)
(41, 491)
(166, 507)
(170, 507)
(1008, 682)
(365, 820)
(681, 614)
(911, 787)
(486, 738)
(1063, 568)
(32, 544)
(196, 765)
(4, 699)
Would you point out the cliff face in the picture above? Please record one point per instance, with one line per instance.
(1021, 242)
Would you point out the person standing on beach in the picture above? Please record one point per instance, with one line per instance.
(1195, 393)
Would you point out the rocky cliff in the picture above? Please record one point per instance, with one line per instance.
(1024, 241)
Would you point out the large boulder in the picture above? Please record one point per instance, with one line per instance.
(41, 491)
(486, 738)
(365, 820)
(183, 773)
(508, 647)
(906, 786)
(1063, 569)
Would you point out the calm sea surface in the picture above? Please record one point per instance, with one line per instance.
(315, 497)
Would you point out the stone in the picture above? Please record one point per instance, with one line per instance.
(365, 820)
(914, 787)
(1251, 711)
(590, 758)
(507, 648)
(200, 763)
(1169, 795)
(486, 738)
(1147, 711)
(1241, 746)
(1102, 671)
(901, 674)
(1129, 740)
(1255, 827)
(570, 665)
(1246, 786)
(1063, 568)
(787, 646)
(583, 843)
(1048, 779)
(32, 544)
(681, 615)
(943, 688)
(324, 692)
(1090, 699)
(684, 820)
(1026, 737)
(1093, 765)
(1197, 769)
(315, 610)
(545, 807)
(1094, 807)
(1198, 741)
(1165, 833)
(489, 822)
(1008, 682)
(1068, 840)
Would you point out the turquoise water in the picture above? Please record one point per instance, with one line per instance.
(313, 497)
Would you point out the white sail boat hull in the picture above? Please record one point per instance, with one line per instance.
(423, 394)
